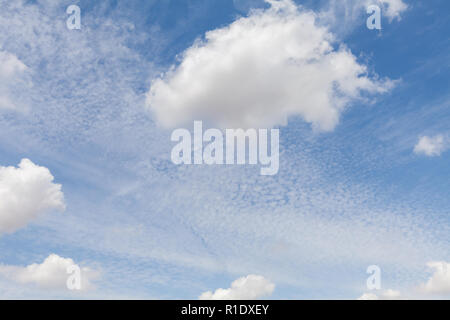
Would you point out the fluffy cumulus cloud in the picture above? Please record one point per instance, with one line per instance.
(431, 146)
(25, 193)
(13, 76)
(261, 69)
(439, 282)
(245, 288)
(53, 273)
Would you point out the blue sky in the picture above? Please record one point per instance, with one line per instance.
(357, 195)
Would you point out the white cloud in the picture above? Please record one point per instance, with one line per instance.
(245, 288)
(25, 193)
(384, 295)
(393, 8)
(431, 146)
(50, 274)
(261, 69)
(10, 64)
(439, 282)
(12, 72)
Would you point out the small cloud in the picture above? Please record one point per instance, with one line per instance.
(439, 282)
(26, 192)
(368, 296)
(12, 77)
(51, 274)
(393, 8)
(384, 295)
(431, 146)
(245, 288)
(391, 294)
(10, 65)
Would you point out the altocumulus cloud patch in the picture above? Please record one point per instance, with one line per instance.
(25, 193)
(261, 69)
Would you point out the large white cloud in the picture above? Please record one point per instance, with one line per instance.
(25, 193)
(261, 69)
(431, 146)
(245, 288)
(52, 273)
